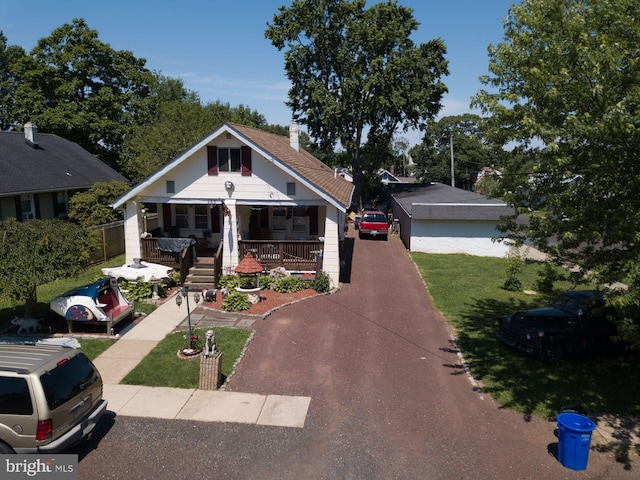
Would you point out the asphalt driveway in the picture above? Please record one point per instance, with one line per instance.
(390, 396)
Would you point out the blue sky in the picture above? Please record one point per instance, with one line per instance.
(218, 48)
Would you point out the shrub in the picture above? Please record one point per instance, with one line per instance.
(322, 284)
(137, 291)
(175, 278)
(288, 285)
(236, 302)
(513, 267)
(265, 282)
(549, 274)
(228, 281)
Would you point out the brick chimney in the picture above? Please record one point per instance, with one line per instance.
(31, 134)
(294, 137)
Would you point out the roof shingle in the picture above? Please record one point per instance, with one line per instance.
(55, 164)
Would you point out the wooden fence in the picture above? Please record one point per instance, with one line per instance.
(110, 238)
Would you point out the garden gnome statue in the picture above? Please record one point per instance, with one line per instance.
(210, 344)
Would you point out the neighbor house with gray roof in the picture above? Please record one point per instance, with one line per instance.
(40, 172)
(438, 218)
(243, 190)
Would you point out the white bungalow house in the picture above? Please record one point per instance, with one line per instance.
(239, 190)
(438, 218)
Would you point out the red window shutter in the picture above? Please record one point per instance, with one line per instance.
(246, 161)
(212, 160)
(215, 219)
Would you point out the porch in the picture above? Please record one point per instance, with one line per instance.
(292, 255)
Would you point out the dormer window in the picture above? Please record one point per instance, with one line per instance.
(229, 159)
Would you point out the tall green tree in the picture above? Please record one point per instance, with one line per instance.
(9, 55)
(471, 151)
(175, 120)
(566, 79)
(356, 74)
(37, 252)
(74, 85)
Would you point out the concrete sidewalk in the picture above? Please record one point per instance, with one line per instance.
(184, 404)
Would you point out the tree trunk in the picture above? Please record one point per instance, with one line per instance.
(30, 303)
(358, 177)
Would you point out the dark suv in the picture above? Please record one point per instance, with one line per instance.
(574, 324)
(50, 398)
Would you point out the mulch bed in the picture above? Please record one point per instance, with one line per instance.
(270, 299)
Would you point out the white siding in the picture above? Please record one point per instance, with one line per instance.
(267, 183)
(331, 253)
(466, 237)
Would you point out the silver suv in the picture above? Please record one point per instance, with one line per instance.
(50, 398)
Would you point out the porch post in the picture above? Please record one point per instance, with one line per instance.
(230, 238)
(132, 231)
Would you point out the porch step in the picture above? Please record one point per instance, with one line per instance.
(201, 276)
(209, 271)
(198, 287)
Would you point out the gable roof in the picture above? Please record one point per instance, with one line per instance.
(436, 201)
(55, 164)
(301, 165)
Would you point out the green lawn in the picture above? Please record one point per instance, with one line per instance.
(92, 347)
(468, 291)
(163, 368)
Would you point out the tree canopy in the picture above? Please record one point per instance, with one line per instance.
(37, 252)
(74, 85)
(470, 151)
(356, 74)
(9, 54)
(176, 119)
(565, 81)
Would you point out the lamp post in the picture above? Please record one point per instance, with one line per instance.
(196, 298)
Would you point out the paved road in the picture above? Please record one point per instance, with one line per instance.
(389, 399)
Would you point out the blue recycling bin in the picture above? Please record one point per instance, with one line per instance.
(574, 440)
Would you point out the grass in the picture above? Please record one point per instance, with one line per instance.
(93, 347)
(162, 367)
(468, 291)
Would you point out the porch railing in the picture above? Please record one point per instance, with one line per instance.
(182, 260)
(293, 255)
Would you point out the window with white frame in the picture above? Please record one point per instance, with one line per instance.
(229, 159)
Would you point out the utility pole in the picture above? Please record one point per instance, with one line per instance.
(453, 180)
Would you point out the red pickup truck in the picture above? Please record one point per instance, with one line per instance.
(373, 223)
